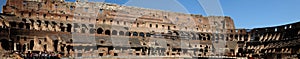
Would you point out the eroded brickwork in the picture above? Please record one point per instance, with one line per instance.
(88, 29)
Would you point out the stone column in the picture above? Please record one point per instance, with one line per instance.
(26, 47)
(15, 46)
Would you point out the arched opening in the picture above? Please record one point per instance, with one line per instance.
(92, 31)
(27, 26)
(45, 47)
(39, 23)
(148, 35)
(70, 48)
(121, 33)
(13, 24)
(24, 20)
(22, 14)
(208, 37)
(21, 25)
(69, 27)
(107, 32)
(114, 32)
(44, 15)
(55, 44)
(128, 34)
(201, 50)
(5, 44)
(99, 31)
(82, 30)
(103, 21)
(29, 14)
(200, 37)
(31, 44)
(47, 23)
(67, 17)
(62, 27)
(135, 34)
(142, 34)
(71, 40)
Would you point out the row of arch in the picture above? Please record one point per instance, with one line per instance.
(25, 24)
(122, 33)
(40, 25)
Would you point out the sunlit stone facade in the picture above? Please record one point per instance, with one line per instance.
(96, 29)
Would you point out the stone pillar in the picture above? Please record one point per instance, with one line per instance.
(26, 48)
(15, 46)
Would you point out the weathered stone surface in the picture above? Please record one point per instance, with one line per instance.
(89, 29)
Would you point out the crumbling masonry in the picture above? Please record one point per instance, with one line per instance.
(88, 29)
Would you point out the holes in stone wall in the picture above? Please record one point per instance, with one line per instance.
(67, 17)
(103, 21)
(142, 34)
(100, 10)
(148, 35)
(44, 15)
(128, 34)
(114, 32)
(4, 44)
(99, 31)
(69, 27)
(13, 24)
(29, 14)
(135, 34)
(71, 7)
(21, 25)
(107, 32)
(27, 26)
(92, 31)
(31, 45)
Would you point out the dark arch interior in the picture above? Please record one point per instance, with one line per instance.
(135, 34)
(31, 44)
(69, 27)
(142, 34)
(148, 34)
(27, 26)
(13, 24)
(5, 44)
(114, 32)
(99, 31)
(121, 33)
(92, 31)
(21, 25)
(107, 32)
(55, 45)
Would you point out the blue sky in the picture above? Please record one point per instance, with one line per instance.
(245, 13)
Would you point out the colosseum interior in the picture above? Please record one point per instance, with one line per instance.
(96, 29)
